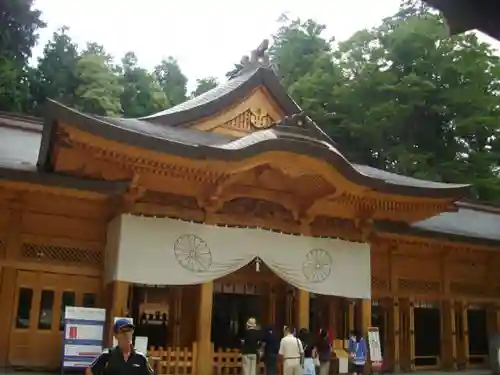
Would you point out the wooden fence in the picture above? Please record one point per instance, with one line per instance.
(182, 361)
(176, 361)
(228, 362)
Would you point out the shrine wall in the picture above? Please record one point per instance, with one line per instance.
(434, 270)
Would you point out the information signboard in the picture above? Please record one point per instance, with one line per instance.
(375, 348)
(83, 336)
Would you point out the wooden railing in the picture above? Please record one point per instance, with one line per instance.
(173, 361)
(229, 362)
(182, 361)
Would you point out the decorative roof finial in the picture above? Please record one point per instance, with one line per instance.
(258, 57)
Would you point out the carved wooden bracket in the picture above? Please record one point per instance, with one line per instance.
(365, 226)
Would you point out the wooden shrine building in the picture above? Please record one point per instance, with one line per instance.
(232, 204)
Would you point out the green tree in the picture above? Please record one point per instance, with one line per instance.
(19, 25)
(55, 73)
(420, 103)
(142, 95)
(296, 47)
(99, 88)
(402, 96)
(172, 81)
(203, 85)
(303, 57)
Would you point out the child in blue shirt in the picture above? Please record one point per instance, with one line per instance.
(357, 353)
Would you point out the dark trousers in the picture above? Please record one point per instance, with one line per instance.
(271, 363)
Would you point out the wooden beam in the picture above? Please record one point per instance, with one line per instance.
(204, 328)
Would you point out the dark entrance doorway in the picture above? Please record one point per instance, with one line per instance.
(427, 318)
(478, 335)
(379, 320)
(149, 307)
(229, 317)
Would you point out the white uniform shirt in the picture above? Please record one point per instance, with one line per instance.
(291, 347)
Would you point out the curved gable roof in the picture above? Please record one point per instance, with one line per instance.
(293, 134)
(224, 96)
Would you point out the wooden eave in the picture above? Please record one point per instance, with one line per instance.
(29, 180)
(403, 230)
(232, 155)
(465, 15)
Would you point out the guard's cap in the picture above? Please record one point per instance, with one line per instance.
(121, 324)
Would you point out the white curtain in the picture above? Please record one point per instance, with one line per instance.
(165, 251)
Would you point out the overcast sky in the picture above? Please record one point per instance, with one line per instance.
(206, 37)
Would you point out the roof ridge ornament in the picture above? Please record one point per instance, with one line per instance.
(257, 58)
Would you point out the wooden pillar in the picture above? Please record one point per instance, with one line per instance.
(204, 327)
(397, 333)
(302, 309)
(13, 243)
(412, 334)
(465, 331)
(497, 317)
(177, 294)
(332, 316)
(449, 343)
(7, 309)
(117, 305)
(350, 316)
(272, 305)
(448, 326)
(289, 306)
(366, 316)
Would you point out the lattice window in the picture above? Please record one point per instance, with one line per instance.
(379, 283)
(60, 254)
(466, 289)
(419, 286)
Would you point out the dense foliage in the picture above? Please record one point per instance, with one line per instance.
(402, 96)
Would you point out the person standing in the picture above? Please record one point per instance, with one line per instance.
(357, 353)
(308, 345)
(271, 348)
(250, 345)
(291, 352)
(324, 348)
(122, 359)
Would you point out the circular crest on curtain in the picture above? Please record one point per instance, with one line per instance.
(192, 253)
(317, 265)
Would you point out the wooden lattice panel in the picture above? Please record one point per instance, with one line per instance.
(470, 289)
(380, 284)
(61, 254)
(419, 286)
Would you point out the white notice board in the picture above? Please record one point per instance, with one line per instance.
(83, 336)
(374, 345)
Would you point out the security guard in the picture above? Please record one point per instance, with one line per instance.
(122, 359)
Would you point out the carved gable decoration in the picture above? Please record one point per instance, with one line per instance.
(256, 112)
(250, 120)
